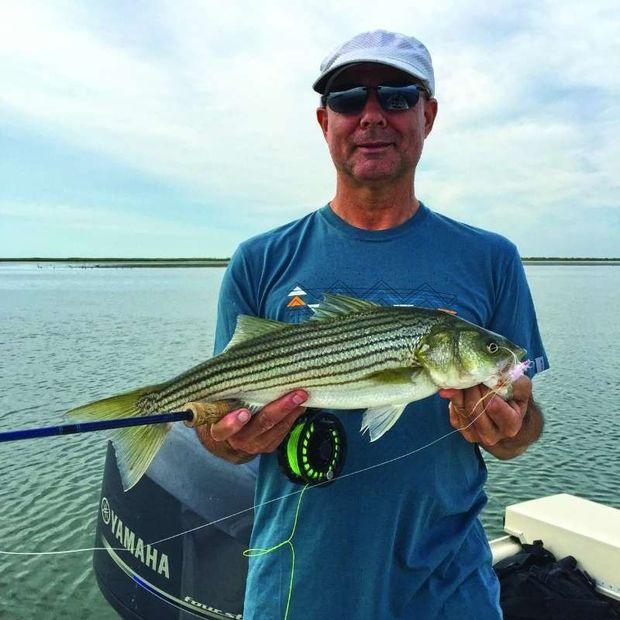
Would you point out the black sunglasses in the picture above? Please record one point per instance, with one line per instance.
(392, 98)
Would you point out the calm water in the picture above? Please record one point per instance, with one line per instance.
(71, 335)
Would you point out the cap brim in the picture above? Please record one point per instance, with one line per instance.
(320, 84)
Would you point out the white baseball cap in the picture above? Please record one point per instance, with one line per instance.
(385, 48)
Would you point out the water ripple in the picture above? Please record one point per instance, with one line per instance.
(72, 336)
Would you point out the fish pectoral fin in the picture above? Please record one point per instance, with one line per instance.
(397, 376)
(337, 305)
(249, 327)
(379, 420)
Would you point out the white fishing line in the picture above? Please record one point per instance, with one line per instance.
(2, 552)
(260, 505)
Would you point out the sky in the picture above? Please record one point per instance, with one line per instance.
(179, 128)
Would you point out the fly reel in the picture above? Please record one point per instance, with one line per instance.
(314, 450)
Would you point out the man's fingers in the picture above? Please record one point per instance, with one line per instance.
(277, 434)
(485, 418)
(522, 389)
(230, 424)
(459, 417)
(479, 402)
(475, 400)
(487, 430)
(448, 393)
(460, 423)
(270, 415)
(264, 431)
(457, 400)
(507, 417)
(269, 440)
(468, 413)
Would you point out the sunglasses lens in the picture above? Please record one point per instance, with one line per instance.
(391, 98)
(394, 98)
(351, 101)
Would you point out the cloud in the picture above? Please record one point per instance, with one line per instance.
(217, 100)
(89, 217)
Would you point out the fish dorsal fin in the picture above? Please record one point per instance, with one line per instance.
(249, 327)
(338, 305)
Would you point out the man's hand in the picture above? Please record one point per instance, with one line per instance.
(503, 428)
(238, 437)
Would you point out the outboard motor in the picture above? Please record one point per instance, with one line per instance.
(160, 559)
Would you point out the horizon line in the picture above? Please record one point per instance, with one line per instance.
(215, 258)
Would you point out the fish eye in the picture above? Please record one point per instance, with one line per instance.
(492, 347)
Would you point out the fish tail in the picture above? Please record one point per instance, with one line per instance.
(135, 446)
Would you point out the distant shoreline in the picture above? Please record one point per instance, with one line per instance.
(121, 263)
(571, 261)
(136, 263)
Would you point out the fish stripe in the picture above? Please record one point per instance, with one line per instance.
(310, 352)
(291, 359)
(299, 376)
(233, 365)
(326, 333)
(303, 376)
(240, 360)
(345, 338)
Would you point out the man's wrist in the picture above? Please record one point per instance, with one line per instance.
(504, 451)
(233, 455)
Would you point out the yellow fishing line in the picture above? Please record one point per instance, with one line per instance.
(250, 553)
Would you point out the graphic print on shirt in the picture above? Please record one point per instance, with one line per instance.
(296, 298)
(302, 299)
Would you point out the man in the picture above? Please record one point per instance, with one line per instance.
(401, 540)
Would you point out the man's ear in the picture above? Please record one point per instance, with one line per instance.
(430, 114)
(321, 117)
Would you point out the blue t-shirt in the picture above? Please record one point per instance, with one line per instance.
(402, 540)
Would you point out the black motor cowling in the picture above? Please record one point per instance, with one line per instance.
(160, 559)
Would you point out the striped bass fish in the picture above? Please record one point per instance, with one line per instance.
(351, 354)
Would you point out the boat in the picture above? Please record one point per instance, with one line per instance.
(172, 547)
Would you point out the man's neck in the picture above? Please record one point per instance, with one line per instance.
(375, 208)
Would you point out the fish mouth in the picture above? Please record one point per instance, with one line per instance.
(506, 367)
(513, 369)
(515, 359)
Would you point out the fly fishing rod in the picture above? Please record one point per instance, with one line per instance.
(313, 452)
(195, 414)
(99, 425)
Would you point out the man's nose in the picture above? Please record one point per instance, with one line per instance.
(373, 113)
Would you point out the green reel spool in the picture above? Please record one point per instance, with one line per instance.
(314, 450)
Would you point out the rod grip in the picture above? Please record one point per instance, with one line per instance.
(208, 413)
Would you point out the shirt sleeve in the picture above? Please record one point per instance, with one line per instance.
(236, 297)
(514, 315)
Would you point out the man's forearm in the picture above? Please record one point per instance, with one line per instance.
(221, 448)
(530, 431)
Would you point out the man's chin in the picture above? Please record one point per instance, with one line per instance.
(375, 168)
(374, 175)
